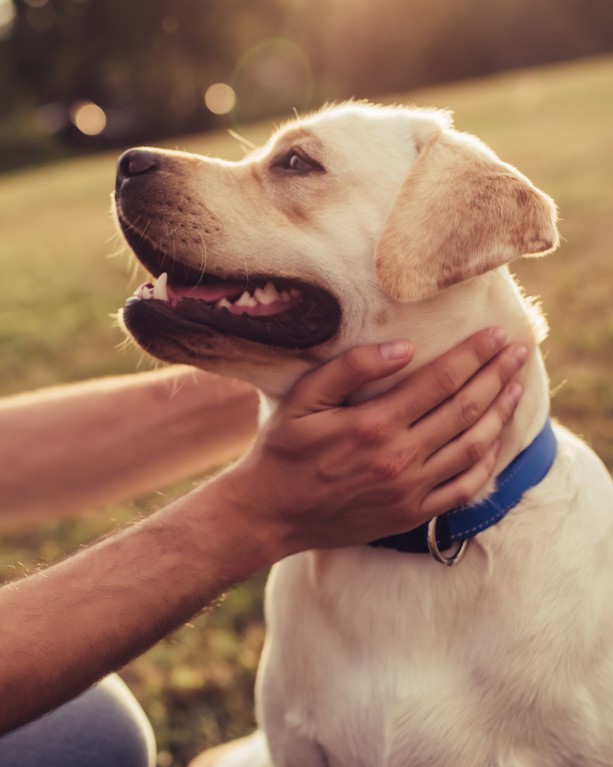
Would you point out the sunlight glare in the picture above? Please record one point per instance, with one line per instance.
(275, 75)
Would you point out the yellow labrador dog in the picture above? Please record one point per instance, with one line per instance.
(361, 224)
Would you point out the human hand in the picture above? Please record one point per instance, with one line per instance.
(321, 474)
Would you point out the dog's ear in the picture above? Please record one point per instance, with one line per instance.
(460, 212)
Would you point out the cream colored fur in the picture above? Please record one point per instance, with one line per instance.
(375, 658)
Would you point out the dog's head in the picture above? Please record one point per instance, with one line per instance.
(278, 262)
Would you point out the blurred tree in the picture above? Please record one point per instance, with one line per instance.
(144, 58)
(147, 63)
(369, 47)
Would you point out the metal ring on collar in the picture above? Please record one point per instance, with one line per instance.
(437, 553)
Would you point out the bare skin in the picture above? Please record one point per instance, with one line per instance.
(99, 442)
(319, 474)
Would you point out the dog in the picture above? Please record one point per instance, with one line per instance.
(354, 225)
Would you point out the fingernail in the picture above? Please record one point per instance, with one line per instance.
(521, 354)
(499, 337)
(496, 447)
(395, 350)
(514, 392)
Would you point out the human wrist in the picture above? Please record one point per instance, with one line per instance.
(223, 530)
(246, 494)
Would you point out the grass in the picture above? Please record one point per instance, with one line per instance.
(61, 286)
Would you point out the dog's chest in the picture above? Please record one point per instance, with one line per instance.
(383, 655)
(376, 671)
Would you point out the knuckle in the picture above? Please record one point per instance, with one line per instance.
(393, 466)
(469, 410)
(506, 366)
(483, 349)
(368, 433)
(505, 409)
(392, 497)
(387, 469)
(475, 450)
(511, 396)
(490, 463)
(447, 379)
(327, 471)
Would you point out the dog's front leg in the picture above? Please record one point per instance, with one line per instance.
(289, 742)
(251, 751)
(286, 703)
(294, 750)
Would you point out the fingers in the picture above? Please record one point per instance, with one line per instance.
(331, 384)
(465, 451)
(462, 489)
(442, 378)
(463, 410)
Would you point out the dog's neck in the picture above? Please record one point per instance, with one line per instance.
(434, 326)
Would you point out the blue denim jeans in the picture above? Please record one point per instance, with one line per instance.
(103, 727)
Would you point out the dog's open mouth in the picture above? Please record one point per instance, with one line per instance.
(282, 312)
(271, 311)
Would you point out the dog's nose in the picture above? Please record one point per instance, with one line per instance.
(136, 162)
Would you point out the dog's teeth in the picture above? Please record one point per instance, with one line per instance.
(264, 296)
(160, 291)
(271, 291)
(284, 295)
(145, 292)
(246, 300)
(223, 303)
(295, 293)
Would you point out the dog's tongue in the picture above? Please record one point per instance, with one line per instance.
(209, 293)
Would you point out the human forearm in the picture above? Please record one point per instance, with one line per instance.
(77, 447)
(319, 475)
(66, 627)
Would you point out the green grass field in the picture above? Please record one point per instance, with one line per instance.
(62, 283)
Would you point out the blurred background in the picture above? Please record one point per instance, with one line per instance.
(94, 73)
(80, 80)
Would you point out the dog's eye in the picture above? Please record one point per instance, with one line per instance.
(298, 163)
(295, 162)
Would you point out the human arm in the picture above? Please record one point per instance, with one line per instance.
(303, 484)
(77, 447)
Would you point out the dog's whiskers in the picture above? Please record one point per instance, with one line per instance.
(203, 259)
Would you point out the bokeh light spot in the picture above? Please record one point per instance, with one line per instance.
(220, 98)
(88, 118)
(7, 18)
(41, 16)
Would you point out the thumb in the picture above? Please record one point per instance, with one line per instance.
(331, 384)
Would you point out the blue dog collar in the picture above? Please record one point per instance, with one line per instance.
(458, 525)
